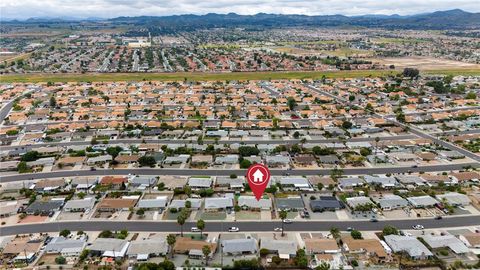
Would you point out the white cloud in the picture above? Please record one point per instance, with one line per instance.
(113, 8)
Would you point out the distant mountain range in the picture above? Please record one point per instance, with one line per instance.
(450, 19)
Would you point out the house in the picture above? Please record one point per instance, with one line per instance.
(411, 245)
(65, 246)
(70, 161)
(354, 202)
(373, 248)
(329, 159)
(198, 160)
(294, 183)
(460, 177)
(102, 159)
(127, 159)
(231, 183)
(423, 201)
(305, 160)
(450, 241)
(216, 204)
(239, 246)
(193, 248)
(8, 208)
(384, 182)
(251, 203)
(143, 249)
(321, 246)
(454, 198)
(391, 202)
(113, 205)
(450, 155)
(195, 203)
(142, 181)
(48, 185)
(80, 205)
(227, 159)
(285, 249)
(44, 207)
(278, 160)
(290, 204)
(160, 202)
(180, 159)
(22, 248)
(326, 203)
(350, 182)
(116, 182)
(200, 182)
(109, 247)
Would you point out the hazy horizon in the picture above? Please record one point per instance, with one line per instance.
(116, 8)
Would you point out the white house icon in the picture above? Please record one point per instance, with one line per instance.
(258, 176)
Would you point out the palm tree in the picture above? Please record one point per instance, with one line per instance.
(206, 252)
(201, 226)
(335, 232)
(283, 216)
(181, 221)
(377, 139)
(171, 239)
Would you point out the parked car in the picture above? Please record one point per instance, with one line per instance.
(418, 227)
(195, 229)
(349, 229)
(277, 229)
(438, 217)
(374, 220)
(233, 229)
(287, 221)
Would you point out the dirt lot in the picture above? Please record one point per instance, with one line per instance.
(426, 63)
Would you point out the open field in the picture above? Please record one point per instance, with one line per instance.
(198, 76)
(426, 63)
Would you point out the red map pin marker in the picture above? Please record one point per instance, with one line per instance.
(258, 176)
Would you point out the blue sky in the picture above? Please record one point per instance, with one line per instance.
(22, 9)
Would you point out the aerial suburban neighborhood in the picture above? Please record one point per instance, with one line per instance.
(128, 142)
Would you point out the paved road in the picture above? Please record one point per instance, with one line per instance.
(226, 172)
(181, 141)
(246, 226)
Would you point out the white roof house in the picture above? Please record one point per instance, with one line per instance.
(450, 241)
(285, 249)
(65, 246)
(409, 244)
(195, 203)
(454, 198)
(218, 203)
(239, 246)
(299, 183)
(177, 159)
(110, 247)
(391, 201)
(99, 159)
(422, 201)
(158, 202)
(200, 182)
(143, 248)
(227, 159)
(386, 182)
(252, 203)
(79, 205)
(356, 201)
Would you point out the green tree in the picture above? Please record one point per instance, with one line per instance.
(283, 215)
(171, 239)
(246, 151)
(201, 226)
(245, 164)
(64, 233)
(335, 232)
(106, 234)
(388, 230)
(30, 156)
(22, 167)
(60, 260)
(181, 219)
(206, 250)
(147, 161)
(356, 234)
(471, 95)
(291, 103)
(140, 212)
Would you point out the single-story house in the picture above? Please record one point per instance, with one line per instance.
(411, 245)
(326, 203)
(160, 202)
(65, 246)
(290, 203)
(285, 249)
(294, 183)
(391, 202)
(454, 198)
(113, 205)
(143, 249)
(250, 202)
(450, 241)
(239, 246)
(423, 201)
(80, 205)
(321, 246)
(200, 182)
(44, 207)
(109, 247)
(215, 204)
